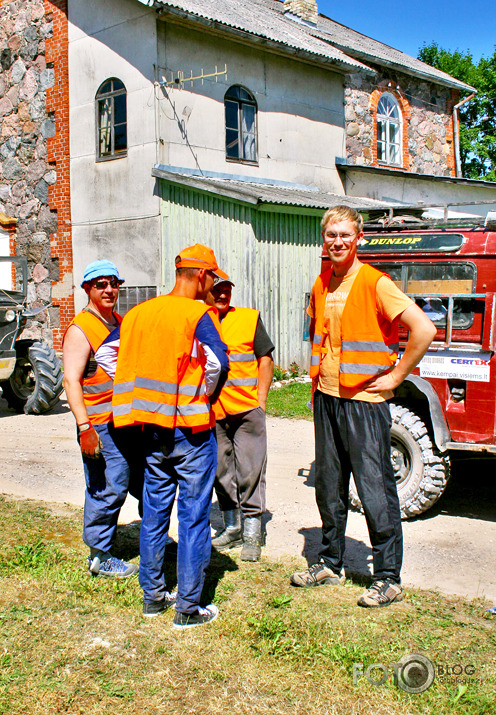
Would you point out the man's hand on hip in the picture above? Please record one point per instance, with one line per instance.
(381, 383)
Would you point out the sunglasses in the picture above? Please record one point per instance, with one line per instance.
(102, 285)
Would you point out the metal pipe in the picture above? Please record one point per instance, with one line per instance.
(456, 132)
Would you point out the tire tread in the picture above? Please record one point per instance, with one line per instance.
(436, 471)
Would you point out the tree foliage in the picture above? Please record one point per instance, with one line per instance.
(478, 116)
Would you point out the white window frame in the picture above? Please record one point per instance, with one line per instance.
(105, 101)
(244, 100)
(389, 122)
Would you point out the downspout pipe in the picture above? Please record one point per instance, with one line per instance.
(456, 132)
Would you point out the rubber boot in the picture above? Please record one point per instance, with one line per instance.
(252, 539)
(231, 536)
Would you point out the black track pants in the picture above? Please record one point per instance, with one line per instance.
(355, 436)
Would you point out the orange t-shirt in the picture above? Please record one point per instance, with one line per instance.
(391, 302)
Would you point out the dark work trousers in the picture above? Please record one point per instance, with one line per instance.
(241, 462)
(355, 436)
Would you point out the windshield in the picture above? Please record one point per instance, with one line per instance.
(431, 284)
(13, 283)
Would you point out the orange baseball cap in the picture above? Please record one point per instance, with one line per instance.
(199, 256)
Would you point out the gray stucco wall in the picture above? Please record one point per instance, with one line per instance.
(115, 213)
(300, 110)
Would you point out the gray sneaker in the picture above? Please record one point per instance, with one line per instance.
(200, 618)
(317, 575)
(111, 567)
(155, 608)
(381, 593)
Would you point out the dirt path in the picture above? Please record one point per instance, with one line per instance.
(450, 549)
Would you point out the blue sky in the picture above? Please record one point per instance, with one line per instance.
(407, 24)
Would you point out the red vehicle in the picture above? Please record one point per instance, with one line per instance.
(449, 402)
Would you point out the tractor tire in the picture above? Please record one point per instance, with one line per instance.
(421, 471)
(36, 383)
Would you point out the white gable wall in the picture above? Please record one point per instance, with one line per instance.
(300, 110)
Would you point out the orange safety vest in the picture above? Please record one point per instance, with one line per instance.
(369, 347)
(160, 371)
(240, 392)
(97, 390)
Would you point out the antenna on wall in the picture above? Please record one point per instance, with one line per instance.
(177, 79)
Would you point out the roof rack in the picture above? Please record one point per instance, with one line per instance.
(414, 217)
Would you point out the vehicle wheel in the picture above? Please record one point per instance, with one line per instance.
(36, 383)
(421, 471)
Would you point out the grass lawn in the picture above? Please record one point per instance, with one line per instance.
(75, 644)
(290, 401)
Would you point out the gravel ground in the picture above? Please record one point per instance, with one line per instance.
(450, 548)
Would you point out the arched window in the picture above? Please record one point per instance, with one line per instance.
(241, 125)
(388, 130)
(111, 120)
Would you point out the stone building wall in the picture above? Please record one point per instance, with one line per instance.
(28, 167)
(428, 143)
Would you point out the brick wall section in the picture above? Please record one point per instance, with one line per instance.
(427, 131)
(58, 154)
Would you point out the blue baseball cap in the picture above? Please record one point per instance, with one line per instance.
(98, 269)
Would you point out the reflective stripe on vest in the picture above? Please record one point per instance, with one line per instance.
(368, 346)
(247, 357)
(242, 382)
(160, 408)
(102, 408)
(315, 359)
(240, 392)
(160, 370)
(168, 388)
(97, 389)
(351, 368)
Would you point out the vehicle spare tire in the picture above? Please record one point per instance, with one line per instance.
(36, 383)
(421, 471)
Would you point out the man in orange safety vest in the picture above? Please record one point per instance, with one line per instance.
(171, 366)
(241, 425)
(112, 459)
(355, 310)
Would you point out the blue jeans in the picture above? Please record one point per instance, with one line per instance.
(185, 461)
(119, 469)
